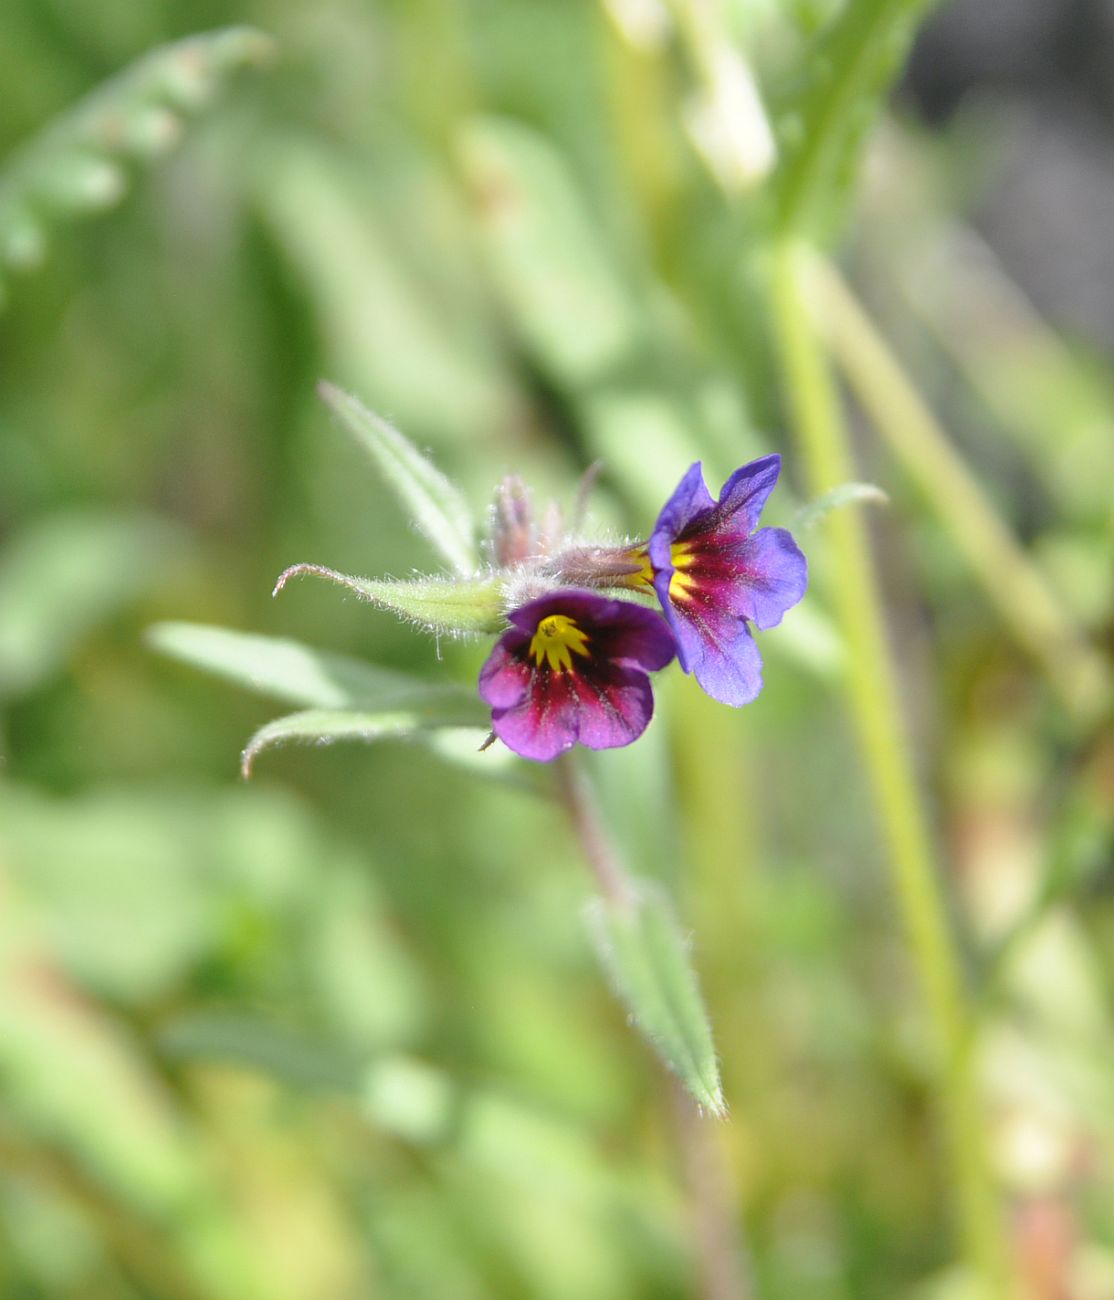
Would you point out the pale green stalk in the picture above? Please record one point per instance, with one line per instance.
(876, 707)
(1015, 586)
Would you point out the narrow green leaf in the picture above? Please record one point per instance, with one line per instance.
(283, 669)
(297, 674)
(846, 494)
(647, 959)
(845, 75)
(436, 505)
(325, 726)
(437, 604)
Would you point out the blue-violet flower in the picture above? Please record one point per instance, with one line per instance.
(573, 667)
(715, 575)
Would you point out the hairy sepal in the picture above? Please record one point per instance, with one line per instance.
(460, 606)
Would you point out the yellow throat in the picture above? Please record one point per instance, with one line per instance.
(557, 639)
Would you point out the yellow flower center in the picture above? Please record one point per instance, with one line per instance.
(557, 639)
(680, 584)
(645, 574)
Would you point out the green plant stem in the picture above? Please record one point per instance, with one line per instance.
(723, 1266)
(1016, 587)
(876, 707)
(576, 798)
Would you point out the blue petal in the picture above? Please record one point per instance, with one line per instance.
(690, 499)
(723, 655)
(745, 494)
(773, 576)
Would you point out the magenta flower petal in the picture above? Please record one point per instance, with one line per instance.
(573, 667)
(714, 575)
(504, 678)
(544, 724)
(618, 711)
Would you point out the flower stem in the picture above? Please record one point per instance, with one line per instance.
(577, 800)
(723, 1266)
(876, 708)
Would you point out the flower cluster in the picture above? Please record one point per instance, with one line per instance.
(574, 665)
(581, 626)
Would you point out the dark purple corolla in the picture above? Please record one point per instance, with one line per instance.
(573, 667)
(715, 575)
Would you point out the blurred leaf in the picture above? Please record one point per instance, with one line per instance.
(325, 726)
(1027, 376)
(457, 745)
(65, 575)
(549, 261)
(381, 321)
(436, 604)
(112, 885)
(648, 962)
(298, 674)
(76, 164)
(810, 639)
(644, 438)
(281, 668)
(256, 1044)
(137, 890)
(845, 73)
(355, 966)
(74, 1077)
(847, 494)
(434, 504)
(410, 1099)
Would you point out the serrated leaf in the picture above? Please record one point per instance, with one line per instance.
(326, 726)
(433, 502)
(437, 604)
(846, 494)
(647, 960)
(282, 669)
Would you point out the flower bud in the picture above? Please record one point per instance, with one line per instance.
(514, 535)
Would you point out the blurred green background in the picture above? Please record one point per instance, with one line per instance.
(338, 1033)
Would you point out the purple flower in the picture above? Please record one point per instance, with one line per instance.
(573, 667)
(715, 575)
